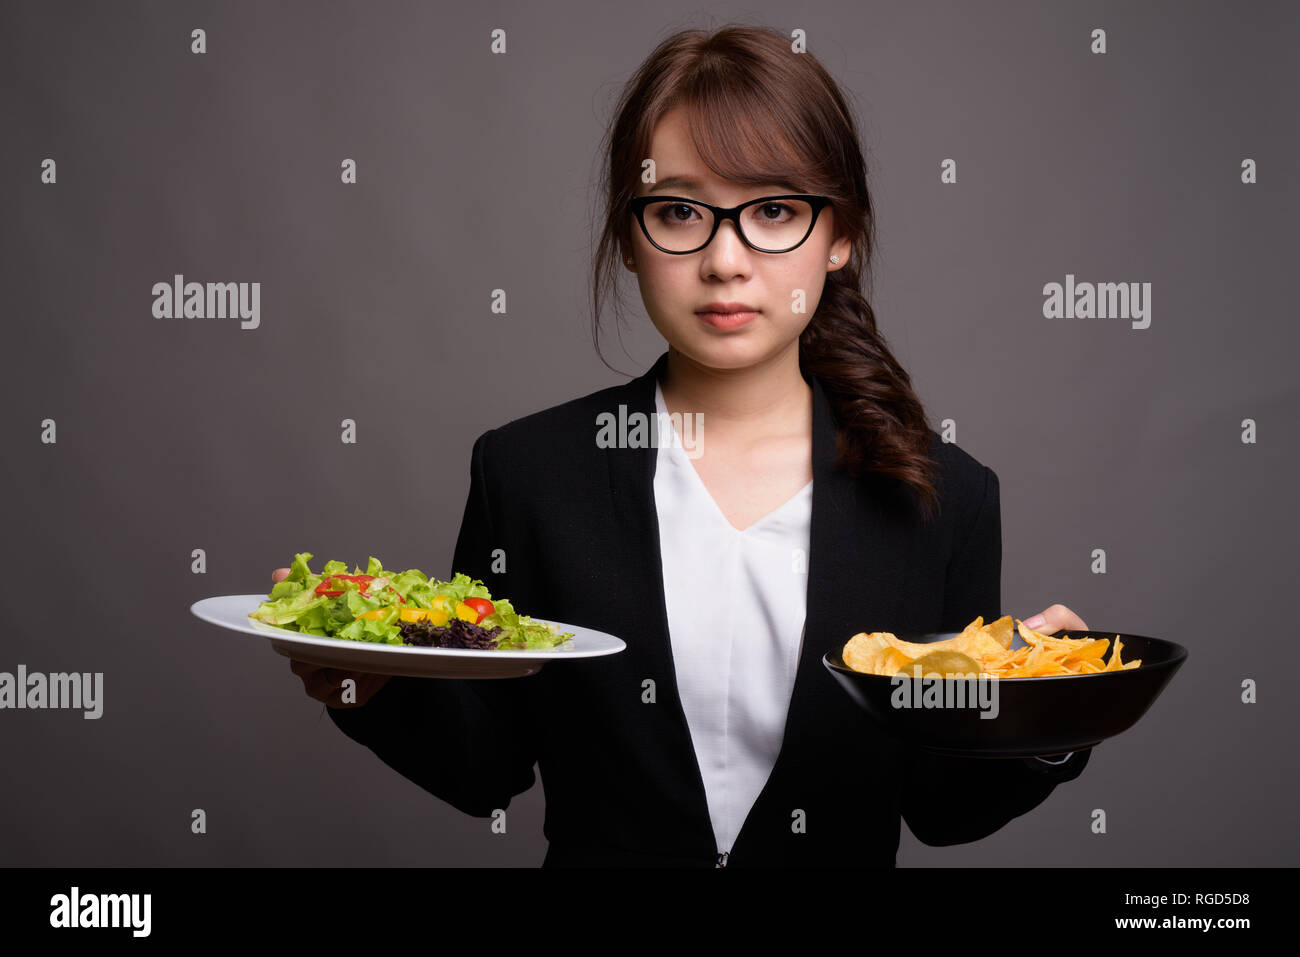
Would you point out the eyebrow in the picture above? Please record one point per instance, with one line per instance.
(688, 182)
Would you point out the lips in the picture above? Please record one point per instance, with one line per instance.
(726, 308)
(727, 315)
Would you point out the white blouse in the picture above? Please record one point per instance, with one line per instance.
(736, 604)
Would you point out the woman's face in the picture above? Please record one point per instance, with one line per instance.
(783, 288)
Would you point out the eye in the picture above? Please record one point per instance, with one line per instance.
(670, 213)
(773, 212)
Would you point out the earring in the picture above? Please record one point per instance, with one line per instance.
(628, 260)
(835, 260)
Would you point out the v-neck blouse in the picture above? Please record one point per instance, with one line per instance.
(736, 602)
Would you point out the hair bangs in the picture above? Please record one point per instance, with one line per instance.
(739, 138)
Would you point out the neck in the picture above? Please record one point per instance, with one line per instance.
(769, 390)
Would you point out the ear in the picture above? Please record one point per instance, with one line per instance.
(841, 248)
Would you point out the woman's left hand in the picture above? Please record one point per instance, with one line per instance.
(1054, 618)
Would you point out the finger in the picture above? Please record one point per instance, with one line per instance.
(1064, 618)
(313, 676)
(316, 682)
(373, 684)
(279, 573)
(1054, 618)
(301, 668)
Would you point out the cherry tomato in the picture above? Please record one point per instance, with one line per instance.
(482, 606)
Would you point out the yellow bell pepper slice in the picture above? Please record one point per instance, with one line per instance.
(436, 616)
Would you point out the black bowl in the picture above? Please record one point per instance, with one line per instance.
(1034, 716)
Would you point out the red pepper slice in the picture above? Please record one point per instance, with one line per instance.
(328, 585)
(325, 587)
(393, 590)
(363, 580)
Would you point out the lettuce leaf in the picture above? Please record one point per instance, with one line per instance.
(293, 603)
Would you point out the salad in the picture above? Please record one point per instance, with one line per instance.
(399, 608)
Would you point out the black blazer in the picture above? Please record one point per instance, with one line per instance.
(579, 529)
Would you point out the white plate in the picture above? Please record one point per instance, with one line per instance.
(232, 611)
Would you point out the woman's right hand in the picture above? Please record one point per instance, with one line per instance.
(326, 684)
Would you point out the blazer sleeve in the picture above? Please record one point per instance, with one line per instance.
(952, 800)
(471, 743)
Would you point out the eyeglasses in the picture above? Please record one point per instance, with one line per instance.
(772, 224)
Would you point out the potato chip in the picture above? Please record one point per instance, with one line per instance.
(1029, 635)
(915, 649)
(871, 654)
(981, 646)
(1000, 631)
(1116, 663)
(947, 664)
(1091, 649)
(986, 649)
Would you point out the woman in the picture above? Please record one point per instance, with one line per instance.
(815, 503)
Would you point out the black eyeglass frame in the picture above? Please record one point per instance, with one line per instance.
(636, 206)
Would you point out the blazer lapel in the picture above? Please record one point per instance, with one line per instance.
(854, 536)
(631, 478)
(848, 545)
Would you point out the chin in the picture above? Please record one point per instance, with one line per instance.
(730, 351)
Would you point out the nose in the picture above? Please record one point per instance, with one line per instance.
(727, 253)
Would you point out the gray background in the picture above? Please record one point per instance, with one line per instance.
(183, 434)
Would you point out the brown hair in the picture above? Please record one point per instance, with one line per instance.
(760, 113)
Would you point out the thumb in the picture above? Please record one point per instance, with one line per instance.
(1054, 618)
